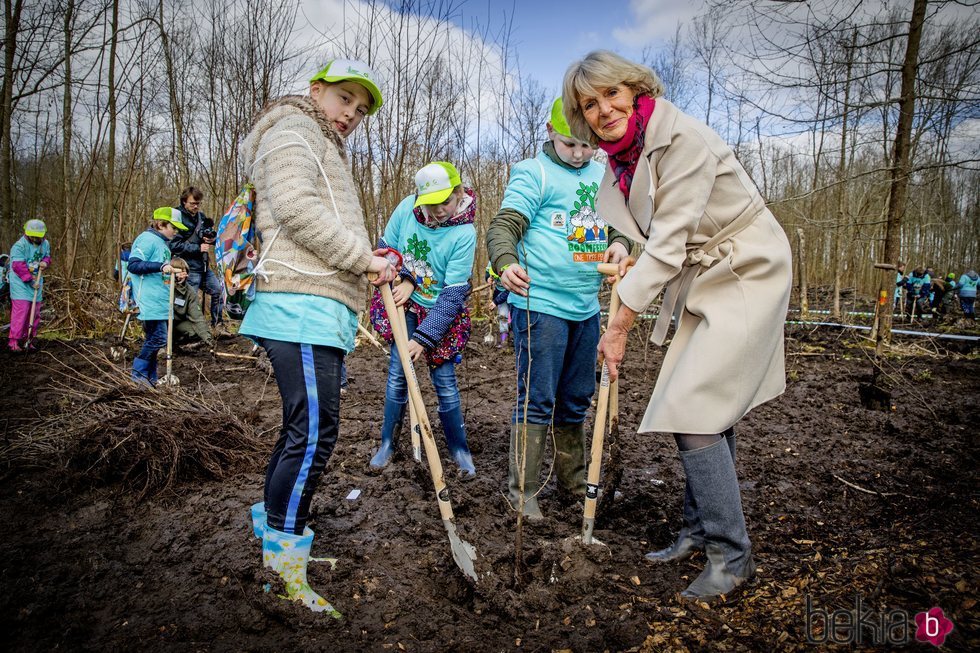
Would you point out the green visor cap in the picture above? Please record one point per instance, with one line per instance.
(435, 183)
(171, 215)
(341, 70)
(558, 122)
(35, 228)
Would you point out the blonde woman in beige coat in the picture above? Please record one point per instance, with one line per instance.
(673, 186)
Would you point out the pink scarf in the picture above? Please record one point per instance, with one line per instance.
(624, 153)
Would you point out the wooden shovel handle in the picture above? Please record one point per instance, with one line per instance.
(415, 398)
(602, 408)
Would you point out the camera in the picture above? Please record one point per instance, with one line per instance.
(209, 235)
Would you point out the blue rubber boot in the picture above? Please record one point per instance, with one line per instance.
(455, 430)
(141, 372)
(391, 427)
(259, 519)
(288, 555)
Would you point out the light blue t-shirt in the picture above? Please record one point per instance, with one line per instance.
(151, 292)
(24, 250)
(967, 287)
(302, 318)
(566, 238)
(439, 258)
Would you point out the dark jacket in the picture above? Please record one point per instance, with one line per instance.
(187, 244)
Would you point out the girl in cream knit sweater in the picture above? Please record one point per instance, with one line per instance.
(312, 280)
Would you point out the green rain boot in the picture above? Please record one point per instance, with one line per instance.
(536, 435)
(288, 555)
(570, 452)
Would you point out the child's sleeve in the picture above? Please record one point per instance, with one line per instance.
(522, 199)
(18, 263)
(46, 258)
(393, 232)
(139, 263)
(455, 288)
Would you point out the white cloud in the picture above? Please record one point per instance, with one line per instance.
(654, 21)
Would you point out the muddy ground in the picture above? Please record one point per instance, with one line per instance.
(841, 502)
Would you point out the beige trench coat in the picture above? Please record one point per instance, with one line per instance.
(726, 356)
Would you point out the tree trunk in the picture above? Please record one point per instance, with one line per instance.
(175, 110)
(900, 167)
(110, 177)
(70, 211)
(12, 12)
(801, 271)
(841, 185)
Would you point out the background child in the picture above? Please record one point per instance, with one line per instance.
(966, 288)
(433, 229)
(539, 246)
(189, 322)
(29, 258)
(149, 261)
(316, 253)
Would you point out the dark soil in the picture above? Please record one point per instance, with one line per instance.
(95, 569)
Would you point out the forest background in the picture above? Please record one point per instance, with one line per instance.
(109, 107)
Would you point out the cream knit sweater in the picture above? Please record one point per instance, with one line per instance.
(315, 237)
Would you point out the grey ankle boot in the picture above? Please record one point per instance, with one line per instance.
(689, 540)
(570, 457)
(714, 487)
(536, 436)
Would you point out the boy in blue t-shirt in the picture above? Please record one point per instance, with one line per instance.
(433, 229)
(544, 244)
(149, 261)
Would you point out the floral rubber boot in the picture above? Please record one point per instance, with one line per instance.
(288, 555)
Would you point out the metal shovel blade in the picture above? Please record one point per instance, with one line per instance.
(169, 381)
(464, 553)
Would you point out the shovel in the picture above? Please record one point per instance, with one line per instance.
(30, 319)
(463, 552)
(599, 425)
(413, 415)
(170, 379)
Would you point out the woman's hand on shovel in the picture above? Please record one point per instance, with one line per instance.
(385, 271)
(618, 255)
(612, 345)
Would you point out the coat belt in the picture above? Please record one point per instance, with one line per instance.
(699, 258)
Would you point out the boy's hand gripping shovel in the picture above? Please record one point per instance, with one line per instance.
(170, 379)
(599, 426)
(463, 552)
(30, 319)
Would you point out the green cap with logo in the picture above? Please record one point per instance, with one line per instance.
(558, 122)
(171, 215)
(341, 70)
(435, 182)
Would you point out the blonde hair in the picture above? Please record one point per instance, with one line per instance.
(602, 69)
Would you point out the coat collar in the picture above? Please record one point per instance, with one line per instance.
(633, 218)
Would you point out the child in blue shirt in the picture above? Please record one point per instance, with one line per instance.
(545, 243)
(149, 261)
(433, 229)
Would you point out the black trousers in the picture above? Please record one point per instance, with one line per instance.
(308, 377)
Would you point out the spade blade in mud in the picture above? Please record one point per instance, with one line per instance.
(464, 553)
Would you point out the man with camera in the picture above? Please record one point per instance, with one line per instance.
(195, 245)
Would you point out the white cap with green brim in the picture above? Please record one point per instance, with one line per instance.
(171, 215)
(435, 182)
(35, 228)
(340, 70)
(558, 122)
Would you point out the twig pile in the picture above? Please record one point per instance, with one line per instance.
(111, 429)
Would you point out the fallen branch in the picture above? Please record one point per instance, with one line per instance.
(865, 490)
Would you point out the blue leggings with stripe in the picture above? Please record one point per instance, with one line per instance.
(308, 377)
